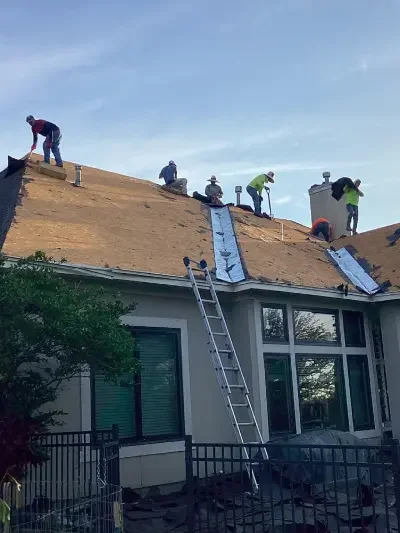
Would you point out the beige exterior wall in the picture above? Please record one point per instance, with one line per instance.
(206, 416)
(390, 325)
(324, 205)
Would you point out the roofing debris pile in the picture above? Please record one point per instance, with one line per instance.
(223, 504)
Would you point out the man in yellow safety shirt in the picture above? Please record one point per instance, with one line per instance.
(255, 188)
(352, 198)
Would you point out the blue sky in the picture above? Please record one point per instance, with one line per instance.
(230, 88)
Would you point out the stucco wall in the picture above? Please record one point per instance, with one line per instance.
(209, 422)
(390, 325)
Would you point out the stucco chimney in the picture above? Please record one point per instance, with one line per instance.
(323, 205)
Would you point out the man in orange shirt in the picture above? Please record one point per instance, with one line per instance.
(322, 226)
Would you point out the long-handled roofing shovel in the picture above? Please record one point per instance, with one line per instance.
(269, 202)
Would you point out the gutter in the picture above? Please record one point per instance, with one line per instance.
(116, 274)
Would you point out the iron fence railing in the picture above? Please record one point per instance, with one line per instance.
(312, 488)
(75, 457)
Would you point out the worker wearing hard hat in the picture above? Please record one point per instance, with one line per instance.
(255, 188)
(322, 227)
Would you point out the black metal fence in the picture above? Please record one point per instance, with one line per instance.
(71, 460)
(317, 488)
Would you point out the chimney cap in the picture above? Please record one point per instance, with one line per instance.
(326, 175)
(238, 188)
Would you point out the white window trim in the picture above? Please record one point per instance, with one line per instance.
(292, 349)
(153, 448)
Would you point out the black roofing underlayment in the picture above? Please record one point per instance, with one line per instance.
(10, 186)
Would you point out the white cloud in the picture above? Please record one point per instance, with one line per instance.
(282, 200)
(24, 70)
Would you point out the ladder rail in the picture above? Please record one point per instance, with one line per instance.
(234, 354)
(221, 369)
(214, 352)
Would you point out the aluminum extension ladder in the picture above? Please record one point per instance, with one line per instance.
(227, 367)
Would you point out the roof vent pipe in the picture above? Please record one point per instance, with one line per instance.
(326, 176)
(78, 176)
(238, 191)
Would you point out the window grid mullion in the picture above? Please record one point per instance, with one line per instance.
(346, 373)
(293, 366)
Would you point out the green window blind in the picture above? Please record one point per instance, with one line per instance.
(159, 384)
(114, 404)
(151, 409)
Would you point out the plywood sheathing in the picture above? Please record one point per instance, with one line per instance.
(296, 259)
(117, 221)
(374, 247)
(112, 221)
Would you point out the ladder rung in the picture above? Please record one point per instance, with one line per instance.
(208, 301)
(214, 317)
(225, 351)
(246, 424)
(239, 404)
(232, 368)
(216, 333)
(237, 386)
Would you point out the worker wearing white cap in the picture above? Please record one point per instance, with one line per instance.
(213, 191)
(255, 188)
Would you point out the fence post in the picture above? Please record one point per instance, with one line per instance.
(115, 461)
(189, 482)
(396, 474)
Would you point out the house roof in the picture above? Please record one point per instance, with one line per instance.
(378, 251)
(124, 222)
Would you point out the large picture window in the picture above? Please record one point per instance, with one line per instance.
(151, 407)
(316, 326)
(279, 394)
(321, 392)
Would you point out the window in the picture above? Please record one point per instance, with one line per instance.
(150, 409)
(316, 327)
(321, 392)
(274, 323)
(279, 394)
(354, 334)
(360, 392)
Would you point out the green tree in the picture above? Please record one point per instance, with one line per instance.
(50, 330)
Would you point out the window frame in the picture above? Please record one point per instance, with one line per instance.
(343, 400)
(283, 307)
(291, 408)
(128, 441)
(323, 311)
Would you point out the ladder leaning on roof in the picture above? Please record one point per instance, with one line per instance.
(227, 367)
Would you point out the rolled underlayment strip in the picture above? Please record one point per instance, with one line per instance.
(228, 264)
(353, 271)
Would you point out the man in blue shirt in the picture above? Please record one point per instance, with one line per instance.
(170, 175)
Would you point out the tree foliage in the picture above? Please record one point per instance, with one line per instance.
(50, 330)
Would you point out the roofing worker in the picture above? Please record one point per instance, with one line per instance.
(170, 175)
(52, 135)
(255, 188)
(352, 198)
(322, 226)
(214, 191)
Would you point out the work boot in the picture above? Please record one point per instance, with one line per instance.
(59, 165)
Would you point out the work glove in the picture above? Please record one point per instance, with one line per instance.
(49, 144)
(33, 147)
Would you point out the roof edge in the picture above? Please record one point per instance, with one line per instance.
(116, 274)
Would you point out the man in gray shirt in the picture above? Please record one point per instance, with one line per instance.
(214, 191)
